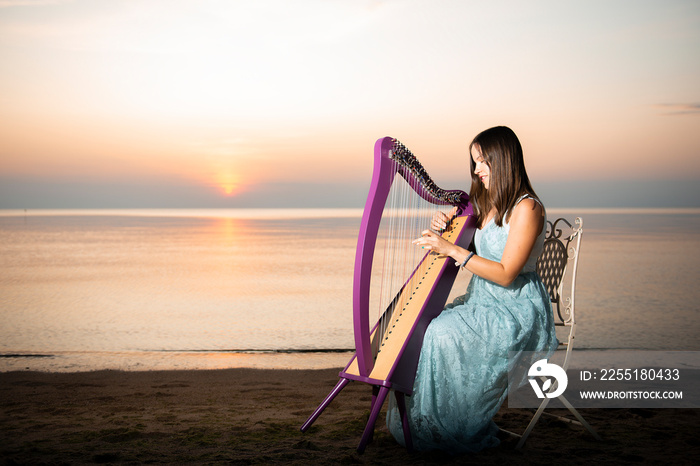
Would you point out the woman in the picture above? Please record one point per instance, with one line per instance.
(505, 315)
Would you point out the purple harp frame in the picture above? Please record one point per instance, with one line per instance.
(391, 157)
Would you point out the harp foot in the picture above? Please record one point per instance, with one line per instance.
(401, 403)
(374, 413)
(338, 387)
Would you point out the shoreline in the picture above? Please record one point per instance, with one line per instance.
(305, 359)
(245, 416)
(138, 361)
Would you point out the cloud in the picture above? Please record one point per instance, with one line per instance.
(679, 109)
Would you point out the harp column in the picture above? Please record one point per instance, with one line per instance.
(384, 168)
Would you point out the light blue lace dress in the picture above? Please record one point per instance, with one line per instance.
(468, 349)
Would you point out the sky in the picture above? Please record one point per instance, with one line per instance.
(274, 103)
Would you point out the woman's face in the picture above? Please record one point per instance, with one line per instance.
(481, 168)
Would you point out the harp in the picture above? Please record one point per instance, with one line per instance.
(413, 285)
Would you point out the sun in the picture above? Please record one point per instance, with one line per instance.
(228, 183)
(228, 189)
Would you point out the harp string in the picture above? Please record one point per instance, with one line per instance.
(406, 215)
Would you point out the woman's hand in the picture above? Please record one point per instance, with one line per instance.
(435, 243)
(439, 221)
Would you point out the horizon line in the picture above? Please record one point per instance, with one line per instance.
(295, 212)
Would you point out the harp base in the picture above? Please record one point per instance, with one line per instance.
(379, 394)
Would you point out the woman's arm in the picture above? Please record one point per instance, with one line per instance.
(526, 223)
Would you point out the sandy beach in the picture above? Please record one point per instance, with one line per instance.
(251, 416)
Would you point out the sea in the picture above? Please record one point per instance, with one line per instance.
(144, 289)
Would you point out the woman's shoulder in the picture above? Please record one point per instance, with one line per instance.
(529, 199)
(528, 209)
(528, 203)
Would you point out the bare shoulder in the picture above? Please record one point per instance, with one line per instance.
(528, 213)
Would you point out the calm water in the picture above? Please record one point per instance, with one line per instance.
(208, 289)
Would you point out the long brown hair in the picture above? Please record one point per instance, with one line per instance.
(508, 181)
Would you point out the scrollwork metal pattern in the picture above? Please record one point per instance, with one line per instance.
(553, 262)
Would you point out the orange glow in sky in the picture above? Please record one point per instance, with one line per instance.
(228, 184)
(242, 96)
